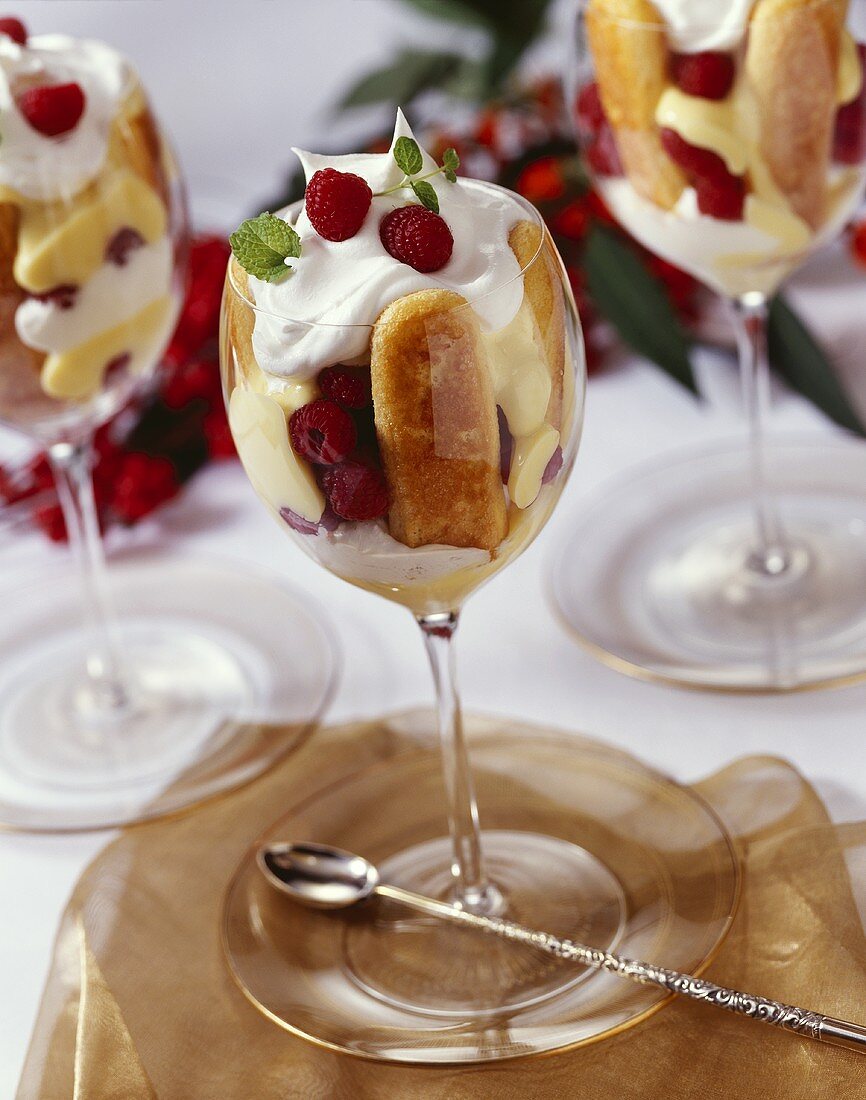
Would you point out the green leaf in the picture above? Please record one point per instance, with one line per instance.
(454, 11)
(450, 159)
(798, 359)
(413, 72)
(635, 304)
(408, 156)
(262, 245)
(450, 175)
(426, 195)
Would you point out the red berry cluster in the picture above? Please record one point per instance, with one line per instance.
(598, 141)
(173, 433)
(335, 433)
(720, 193)
(338, 202)
(849, 139)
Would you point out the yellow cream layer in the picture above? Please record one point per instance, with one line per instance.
(281, 479)
(57, 246)
(76, 374)
(731, 129)
(850, 76)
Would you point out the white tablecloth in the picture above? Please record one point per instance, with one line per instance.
(514, 657)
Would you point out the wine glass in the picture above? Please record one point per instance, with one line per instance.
(417, 472)
(732, 144)
(98, 723)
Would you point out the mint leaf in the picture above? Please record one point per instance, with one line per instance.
(450, 175)
(450, 160)
(408, 156)
(262, 245)
(426, 195)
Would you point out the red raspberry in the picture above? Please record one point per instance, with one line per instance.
(603, 154)
(217, 434)
(355, 491)
(720, 193)
(417, 237)
(50, 518)
(858, 243)
(589, 110)
(553, 467)
(542, 180)
(506, 446)
(52, 109)
(199, 318)
(572, 221)
(322, 432)
(696, 162)
(14, 29)
(63, 296)
(709, 75)
(722, 199)
(143, 482)
(337, 203)
(116, 367)
(196, 380)
(348, 386)
(849, 139)
(123, 242)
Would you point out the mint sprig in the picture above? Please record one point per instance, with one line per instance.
(262, 245)
(410, 161)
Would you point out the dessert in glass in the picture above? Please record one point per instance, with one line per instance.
(405, 379)
(729, 140)
(92, 252)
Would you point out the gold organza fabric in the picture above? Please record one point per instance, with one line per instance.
(139, 1003)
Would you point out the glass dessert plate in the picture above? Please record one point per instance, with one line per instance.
(727, 568)
(415, 455)
(94, 711)
(341, 980)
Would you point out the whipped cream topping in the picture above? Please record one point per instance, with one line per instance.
(43, 168)
(112, 295)
(696, 25)
(335, 285)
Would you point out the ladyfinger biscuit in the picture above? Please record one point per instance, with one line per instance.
(630, 50)
(436, 423)
(135, 142)
(792, 61)
(542, 289)
(10, 217)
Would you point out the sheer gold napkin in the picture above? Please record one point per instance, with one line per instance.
(139, 1003)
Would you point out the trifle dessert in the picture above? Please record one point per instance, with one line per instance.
(729, 138)
(87, 292)
(400, 371)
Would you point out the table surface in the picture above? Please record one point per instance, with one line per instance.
(514, 658)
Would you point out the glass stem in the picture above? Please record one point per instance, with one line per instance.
(473, 890)
(72, 465)
(770, 555)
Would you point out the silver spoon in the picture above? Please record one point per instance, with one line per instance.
(322, 877)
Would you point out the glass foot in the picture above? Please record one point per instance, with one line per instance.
(666, 584)
(581, 841)
(423, 965)
(224, 671)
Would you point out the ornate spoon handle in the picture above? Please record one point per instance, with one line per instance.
(813, 1025)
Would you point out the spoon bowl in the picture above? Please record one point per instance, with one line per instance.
(317, 875)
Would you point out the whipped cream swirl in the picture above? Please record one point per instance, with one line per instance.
(47, 169)
(337, 285)
(696, 25)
